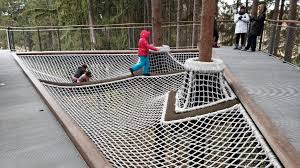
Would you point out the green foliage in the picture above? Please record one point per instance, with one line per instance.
(24, 13)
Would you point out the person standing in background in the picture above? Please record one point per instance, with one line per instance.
(241, 20)
(216, 34)
(256, 28)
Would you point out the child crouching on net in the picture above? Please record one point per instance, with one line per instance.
(80, 71)
(143, 52)
(84, 77)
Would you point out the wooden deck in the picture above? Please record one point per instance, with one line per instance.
(30, 136)
(272, 84)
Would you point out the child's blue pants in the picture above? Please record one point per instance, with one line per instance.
(143, 62)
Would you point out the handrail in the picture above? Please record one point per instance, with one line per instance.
(104, 25)
(85, 28)
(286, 21)
(39, 53)
(128, 24)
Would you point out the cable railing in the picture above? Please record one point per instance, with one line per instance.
(280, 38)
(108, 37)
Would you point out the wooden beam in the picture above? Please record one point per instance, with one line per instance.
(39, 53)
(84, 145)
(171, 114)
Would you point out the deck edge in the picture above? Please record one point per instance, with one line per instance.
(83, 144)
(284, 150)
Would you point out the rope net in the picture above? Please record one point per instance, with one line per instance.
(60, 68)
(123, 118)
(203, 85)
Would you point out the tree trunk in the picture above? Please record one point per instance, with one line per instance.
(254, 8)
(273, 27)
(276, 9)
(156, 22)
(29, 41)
(178, 24)
(247, 3)
(277, 36)
(50, 42)
(145, 11)
(169, 20)
(148, 11)
(196, 14)
(91, 24)
(206, 36)
(290, 40)
(237, 5)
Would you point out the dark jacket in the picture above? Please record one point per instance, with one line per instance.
(215, 26)
(257, 25)
(80, 70)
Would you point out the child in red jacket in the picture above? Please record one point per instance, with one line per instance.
(143, 51)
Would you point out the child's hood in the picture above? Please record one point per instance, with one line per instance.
(145, 34)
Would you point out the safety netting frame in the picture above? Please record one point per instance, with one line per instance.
(203, 85)
(156, 162)
(60, 67)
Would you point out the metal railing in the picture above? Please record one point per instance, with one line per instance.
(108, 37)
(280, 38)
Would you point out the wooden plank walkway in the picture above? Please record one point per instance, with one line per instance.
(274, 86)
(30, 136)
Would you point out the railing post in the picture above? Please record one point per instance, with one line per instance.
(272, 40)
(10, 39)
(81, 37)
(58, 36)
(261, 37)
(24, 38)
(290, 42)
(129, 37)
(106, 31)
(39, 37)
(133, 40)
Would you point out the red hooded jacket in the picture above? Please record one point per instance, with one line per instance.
(144, 46)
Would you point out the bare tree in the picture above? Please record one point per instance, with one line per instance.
(290, 35)
(91, 24)
(277, 36)
(178, 24)
(237, 5)
(206, 35)
(196, 19)
(276, 10)
(273, 27)
(156, 22)
(254, 8)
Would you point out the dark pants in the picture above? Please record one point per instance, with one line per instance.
(251, 42)
(216, 36)
(237, 38)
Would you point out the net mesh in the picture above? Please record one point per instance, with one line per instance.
(123, 118)
(199, 90)
(60, 68)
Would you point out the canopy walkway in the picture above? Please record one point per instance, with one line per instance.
(125, 117)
